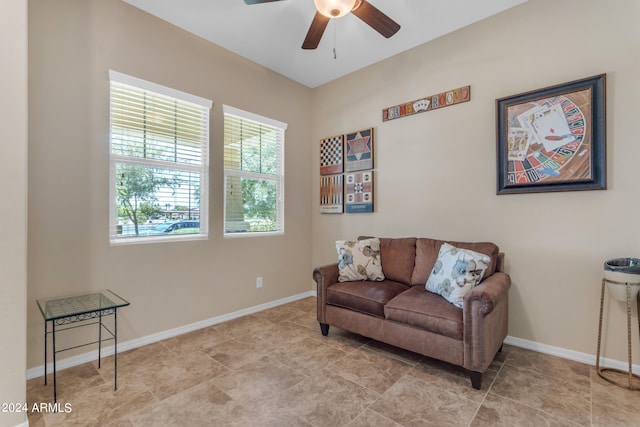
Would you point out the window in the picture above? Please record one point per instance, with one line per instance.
(254, 174)
(159, 154)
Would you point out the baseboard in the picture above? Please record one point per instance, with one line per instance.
(90, 356)
(589, 359)
(69, 362)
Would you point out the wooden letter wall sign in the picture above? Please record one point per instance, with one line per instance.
(433, 102)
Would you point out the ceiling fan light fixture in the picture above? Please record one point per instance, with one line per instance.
(334, 8)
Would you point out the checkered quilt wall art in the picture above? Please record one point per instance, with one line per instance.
(346, 175)
(331, 153)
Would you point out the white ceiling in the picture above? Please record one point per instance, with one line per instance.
(271, 34)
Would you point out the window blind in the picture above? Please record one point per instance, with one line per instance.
(254, 173)
(159, 161)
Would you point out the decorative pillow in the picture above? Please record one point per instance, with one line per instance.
(359, 260)
(456, 272)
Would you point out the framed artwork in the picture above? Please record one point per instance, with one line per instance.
(359, 192)
(331, 194)
(358, 147)
(331, 154)
(553, 139)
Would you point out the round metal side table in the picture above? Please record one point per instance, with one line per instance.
(631, 287)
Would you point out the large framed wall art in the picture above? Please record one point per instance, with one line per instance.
(553, 139)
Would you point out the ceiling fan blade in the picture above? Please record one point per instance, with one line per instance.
(258, 1)
(315, 32)
(377, 20)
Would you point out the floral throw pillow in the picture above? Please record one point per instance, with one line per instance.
(359, 260)
(456, 272)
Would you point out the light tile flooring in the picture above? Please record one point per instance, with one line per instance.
(274, 368)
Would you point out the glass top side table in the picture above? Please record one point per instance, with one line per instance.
(63, 311)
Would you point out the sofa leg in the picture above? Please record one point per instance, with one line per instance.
(324, 328)
(476, 379)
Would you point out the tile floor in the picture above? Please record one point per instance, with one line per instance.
(274, 368)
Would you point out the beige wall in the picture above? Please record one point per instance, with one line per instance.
(436, 171)
(72, 45)
(13, 205)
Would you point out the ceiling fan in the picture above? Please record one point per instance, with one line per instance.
(329, 9)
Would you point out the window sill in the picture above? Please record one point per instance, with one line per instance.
(240, 235)
(156, 239)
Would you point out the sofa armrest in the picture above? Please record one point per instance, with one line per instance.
(485, 315)
(324, 277)
(489, 292)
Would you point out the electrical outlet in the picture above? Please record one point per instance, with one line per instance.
(258, 282)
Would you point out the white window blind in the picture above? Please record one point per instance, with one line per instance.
(254, 173)
(159, 161)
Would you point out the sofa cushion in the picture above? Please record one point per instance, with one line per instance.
(359, 260)
(398, 257)
(427, 252)
(365, 297)
(456, 272)
(423, 309)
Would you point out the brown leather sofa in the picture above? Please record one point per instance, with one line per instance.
(401, 312)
